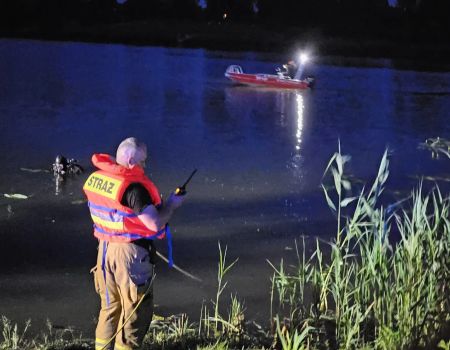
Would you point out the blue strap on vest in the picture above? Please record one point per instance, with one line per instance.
(169, 244)
(166, 230)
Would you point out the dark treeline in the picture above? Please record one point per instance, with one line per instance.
(413, 21)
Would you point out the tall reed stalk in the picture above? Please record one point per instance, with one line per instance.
(370, 292)
(222, 270)
(210, 324)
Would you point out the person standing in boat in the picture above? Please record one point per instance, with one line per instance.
(128, 214)
(290, 69)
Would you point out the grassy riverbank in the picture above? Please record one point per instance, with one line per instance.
(362, 290)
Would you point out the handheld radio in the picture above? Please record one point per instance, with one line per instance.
(181, 191)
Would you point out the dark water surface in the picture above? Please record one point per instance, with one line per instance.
(260, 154)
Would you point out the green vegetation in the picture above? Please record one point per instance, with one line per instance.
(362, 290)
(52, 339)
(437, 146)
(370, 293)
(211, 332)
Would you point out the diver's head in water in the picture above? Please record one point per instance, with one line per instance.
(131, 152)
(60, 165)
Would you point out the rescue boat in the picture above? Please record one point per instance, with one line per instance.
(279, 81)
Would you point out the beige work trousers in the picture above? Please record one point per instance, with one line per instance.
(125, 277)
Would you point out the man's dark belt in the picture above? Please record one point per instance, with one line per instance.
(148, 245)
(144, 243)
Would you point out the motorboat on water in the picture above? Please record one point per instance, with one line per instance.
(281, 80)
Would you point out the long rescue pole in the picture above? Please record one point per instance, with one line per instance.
(179, 269)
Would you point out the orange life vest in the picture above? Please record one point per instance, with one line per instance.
(114, 222)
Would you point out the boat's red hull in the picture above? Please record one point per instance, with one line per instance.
(268, 80)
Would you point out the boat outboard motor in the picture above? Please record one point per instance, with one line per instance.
(311, 81)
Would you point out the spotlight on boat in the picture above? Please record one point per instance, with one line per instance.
(303, 58)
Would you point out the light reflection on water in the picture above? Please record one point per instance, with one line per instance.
(297, 161)
(260, 154)
(300, 108)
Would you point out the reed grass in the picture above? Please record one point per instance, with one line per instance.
(371, 292)
(13, 338)
(296, 341)
(437, 146)
(222, 270)
(217, 326)
(61, 338)
(218, 345)
(444, 345)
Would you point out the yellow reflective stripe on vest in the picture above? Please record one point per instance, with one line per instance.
(102, 185)
(107, 224)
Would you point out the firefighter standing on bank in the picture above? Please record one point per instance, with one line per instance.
(128, 214)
